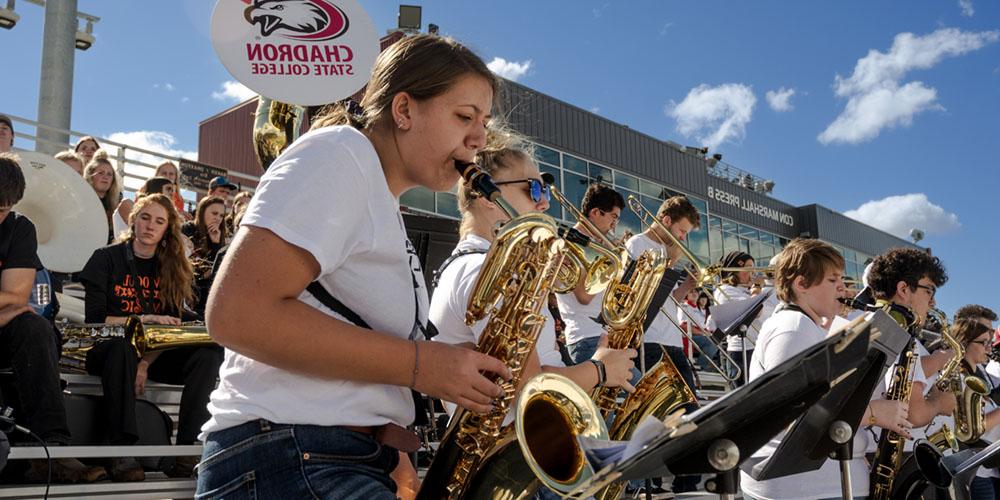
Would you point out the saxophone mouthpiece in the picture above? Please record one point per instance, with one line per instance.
(480, 181)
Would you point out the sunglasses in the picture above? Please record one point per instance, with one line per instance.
(536, 188)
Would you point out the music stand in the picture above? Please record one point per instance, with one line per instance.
(733, 427)
(830, 424)
(738, 323)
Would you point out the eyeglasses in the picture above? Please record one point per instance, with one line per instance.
(537, 188)
(614, 216)
(985, 342)
(931, 290)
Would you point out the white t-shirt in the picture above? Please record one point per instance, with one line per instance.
(785, 334)
(992, 380)
(725, 293)
(327, 194)
(451, 300)
(579, 318)
(691, 314)
(918, 376)
(662, 330)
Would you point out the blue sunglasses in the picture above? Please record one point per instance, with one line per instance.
(537, 188)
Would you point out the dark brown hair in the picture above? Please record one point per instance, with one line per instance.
(908, 265)
(975, 311)
(601, 197)
(11, 180)
(423, 66)
(201, 239)
(809, 258)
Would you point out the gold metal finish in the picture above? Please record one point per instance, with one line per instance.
(79, 339)
(552, 413)
(943, 439)
(597, 271)
(512, 287)
(969, 390)
(276, 125)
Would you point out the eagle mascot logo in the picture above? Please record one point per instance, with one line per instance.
(312, 20)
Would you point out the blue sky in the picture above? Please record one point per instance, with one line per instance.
(695, 72)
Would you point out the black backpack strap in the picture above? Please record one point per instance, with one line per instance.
(330, 301)
(452, 258)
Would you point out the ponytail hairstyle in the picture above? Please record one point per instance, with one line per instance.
(502, 146)
(423, 66)
(736, 258)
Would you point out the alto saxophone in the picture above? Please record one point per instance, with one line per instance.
(889, 455)
(512, 287)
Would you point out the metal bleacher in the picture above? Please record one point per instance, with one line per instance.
(157, 485)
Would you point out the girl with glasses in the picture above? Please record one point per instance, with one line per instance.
(510, 164)
(313, 401)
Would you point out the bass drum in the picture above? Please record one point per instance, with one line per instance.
(68, 216)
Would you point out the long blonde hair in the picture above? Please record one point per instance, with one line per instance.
(175, 273)
(113, 196)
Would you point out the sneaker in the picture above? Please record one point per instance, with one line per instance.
(126, 469)
(64, 471)
(183, 467)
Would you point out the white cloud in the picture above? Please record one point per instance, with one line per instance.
(967, 9)
(151, 140)
(595, 109)
(780, 100)
(898, 214)
(666, 27)
(599, 11)
(510, 70)
(233, 91)
(714, 115)
(875, 98)
(185, 99)
(165, 86)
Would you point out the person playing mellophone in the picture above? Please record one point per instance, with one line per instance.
(146, 275)
(311, 400)
(808, 281)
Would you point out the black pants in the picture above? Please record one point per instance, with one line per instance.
(29, 345)
(194, 367)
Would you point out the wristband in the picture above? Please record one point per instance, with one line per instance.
(602, 376)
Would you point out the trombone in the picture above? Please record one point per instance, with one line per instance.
(703, 276)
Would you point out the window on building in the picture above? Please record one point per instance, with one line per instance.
(599, 173)
(574, 187)
(626, 181)
(650, 189)
(575, 164)
(420, 198)
(447, 204)
(546, 155)
(555, 209)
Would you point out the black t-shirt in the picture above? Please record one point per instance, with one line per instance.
(111, 289)
(18, 243)
(204, 247)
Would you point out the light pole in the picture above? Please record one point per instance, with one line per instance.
(55, 85)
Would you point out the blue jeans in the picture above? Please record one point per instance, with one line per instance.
(583, 350)
(708, 351)
(983, 488)
(733, 370)
(260, 459)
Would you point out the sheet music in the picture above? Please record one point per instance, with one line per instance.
(604, 452)
(731, 313)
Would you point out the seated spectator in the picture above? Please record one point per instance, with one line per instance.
(6, 134)
(170, 171)
(87, 147)
(240, 203)
(222, 188)
(101, 175)
(28, 343)
(208, 235)
(146, 275)
(154, 185)
(72, 159)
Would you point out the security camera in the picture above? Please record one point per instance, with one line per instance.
(916, 235)
(84, 40)
(8, 18)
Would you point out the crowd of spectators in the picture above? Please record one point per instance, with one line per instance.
(158, 265)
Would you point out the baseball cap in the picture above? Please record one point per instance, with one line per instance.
(221, 181)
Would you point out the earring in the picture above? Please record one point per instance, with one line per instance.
(400, 124)
(163, 243)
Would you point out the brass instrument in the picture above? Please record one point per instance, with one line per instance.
(597, 272)
(889, 455)
(276, 125)
(943, 439)
(704, 276)
(79, 339)
(513, 285)
(969, 390)
(551, 413)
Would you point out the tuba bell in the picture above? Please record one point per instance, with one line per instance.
(69, 220)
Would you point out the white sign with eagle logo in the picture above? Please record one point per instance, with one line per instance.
(305, 52)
